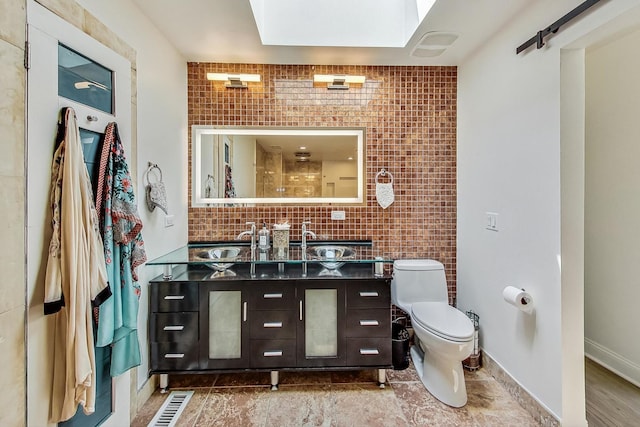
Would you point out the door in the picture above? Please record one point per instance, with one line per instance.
(224, 325)
(67, 68)
(322, 310)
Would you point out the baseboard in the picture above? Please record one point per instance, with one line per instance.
(535, 408)
(611, 360)
(145, 392)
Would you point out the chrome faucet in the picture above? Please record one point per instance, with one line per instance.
(306, 232)
(251, 232)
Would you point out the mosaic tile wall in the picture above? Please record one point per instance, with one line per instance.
(410, 118)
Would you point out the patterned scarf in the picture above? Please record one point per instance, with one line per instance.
(115, 199)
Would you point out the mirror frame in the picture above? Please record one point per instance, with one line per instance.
(196, 178)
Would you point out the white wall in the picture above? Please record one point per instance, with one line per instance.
(332, 171)
(208, 162)
(244, 165)
(612, 205)
(509, 161)
(161, 135)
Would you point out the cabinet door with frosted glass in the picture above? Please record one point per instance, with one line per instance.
(224, 326)
(321, 322)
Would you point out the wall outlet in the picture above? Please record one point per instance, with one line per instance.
(168, 221)
(491, 222)
(338, 215)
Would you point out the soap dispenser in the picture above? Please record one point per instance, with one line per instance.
(263, 238)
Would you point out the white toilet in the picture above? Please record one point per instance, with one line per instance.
(443, 334)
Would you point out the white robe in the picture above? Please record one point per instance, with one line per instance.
(75, 278)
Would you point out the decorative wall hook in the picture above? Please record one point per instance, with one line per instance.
(384, 172)
(155, 191)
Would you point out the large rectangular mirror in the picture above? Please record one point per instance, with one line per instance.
(244, 166)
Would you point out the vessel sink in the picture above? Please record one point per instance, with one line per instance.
(224, 256)
(330, 256)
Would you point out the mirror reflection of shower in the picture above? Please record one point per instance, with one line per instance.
(265, 165)
(269, 171)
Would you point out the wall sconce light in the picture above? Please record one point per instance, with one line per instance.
(234, 80)
(338, 82)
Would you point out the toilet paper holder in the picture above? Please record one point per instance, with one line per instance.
(474, 361)
(526, 298)
(518, 298)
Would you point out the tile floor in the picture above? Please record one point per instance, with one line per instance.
(345, 398)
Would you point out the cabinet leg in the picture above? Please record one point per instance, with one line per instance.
(382, 377)
(274, 380)
(164, 383)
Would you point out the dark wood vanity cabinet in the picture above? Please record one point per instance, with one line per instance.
(322, 310)
(257, 324)
(224, 325)
(368, 323)
(173, 326)
(272, 325)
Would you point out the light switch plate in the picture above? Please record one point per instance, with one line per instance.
(338, 215)
(168, 221)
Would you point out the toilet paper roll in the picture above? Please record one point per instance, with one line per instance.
(518, 298)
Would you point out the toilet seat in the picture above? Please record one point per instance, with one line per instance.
(443, 320)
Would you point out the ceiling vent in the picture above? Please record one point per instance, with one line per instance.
(433, 44)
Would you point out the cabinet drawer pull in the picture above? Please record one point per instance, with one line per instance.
(272, 324)
(174, 355)
(274, 353)
(244, 311)
(369, 351)
(300, 309)
(369, 323)
(174, 297)
(272, 296)
(173, 328)
(369, 294)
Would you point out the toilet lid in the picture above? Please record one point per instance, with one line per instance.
(443, 320)
(417, 264)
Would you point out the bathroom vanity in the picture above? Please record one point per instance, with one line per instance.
(225, 308)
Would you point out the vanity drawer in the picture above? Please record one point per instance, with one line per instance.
(174, 356)
(369, 295)
(273, 353)
(371, 322)
(173, 296)
(273, 324)
(369, 351)
(174, 327)
(273, 297)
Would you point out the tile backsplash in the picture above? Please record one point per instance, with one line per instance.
(409, 114)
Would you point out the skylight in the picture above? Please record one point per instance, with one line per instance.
(339, 23)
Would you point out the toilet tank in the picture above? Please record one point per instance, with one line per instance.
(416, 280)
